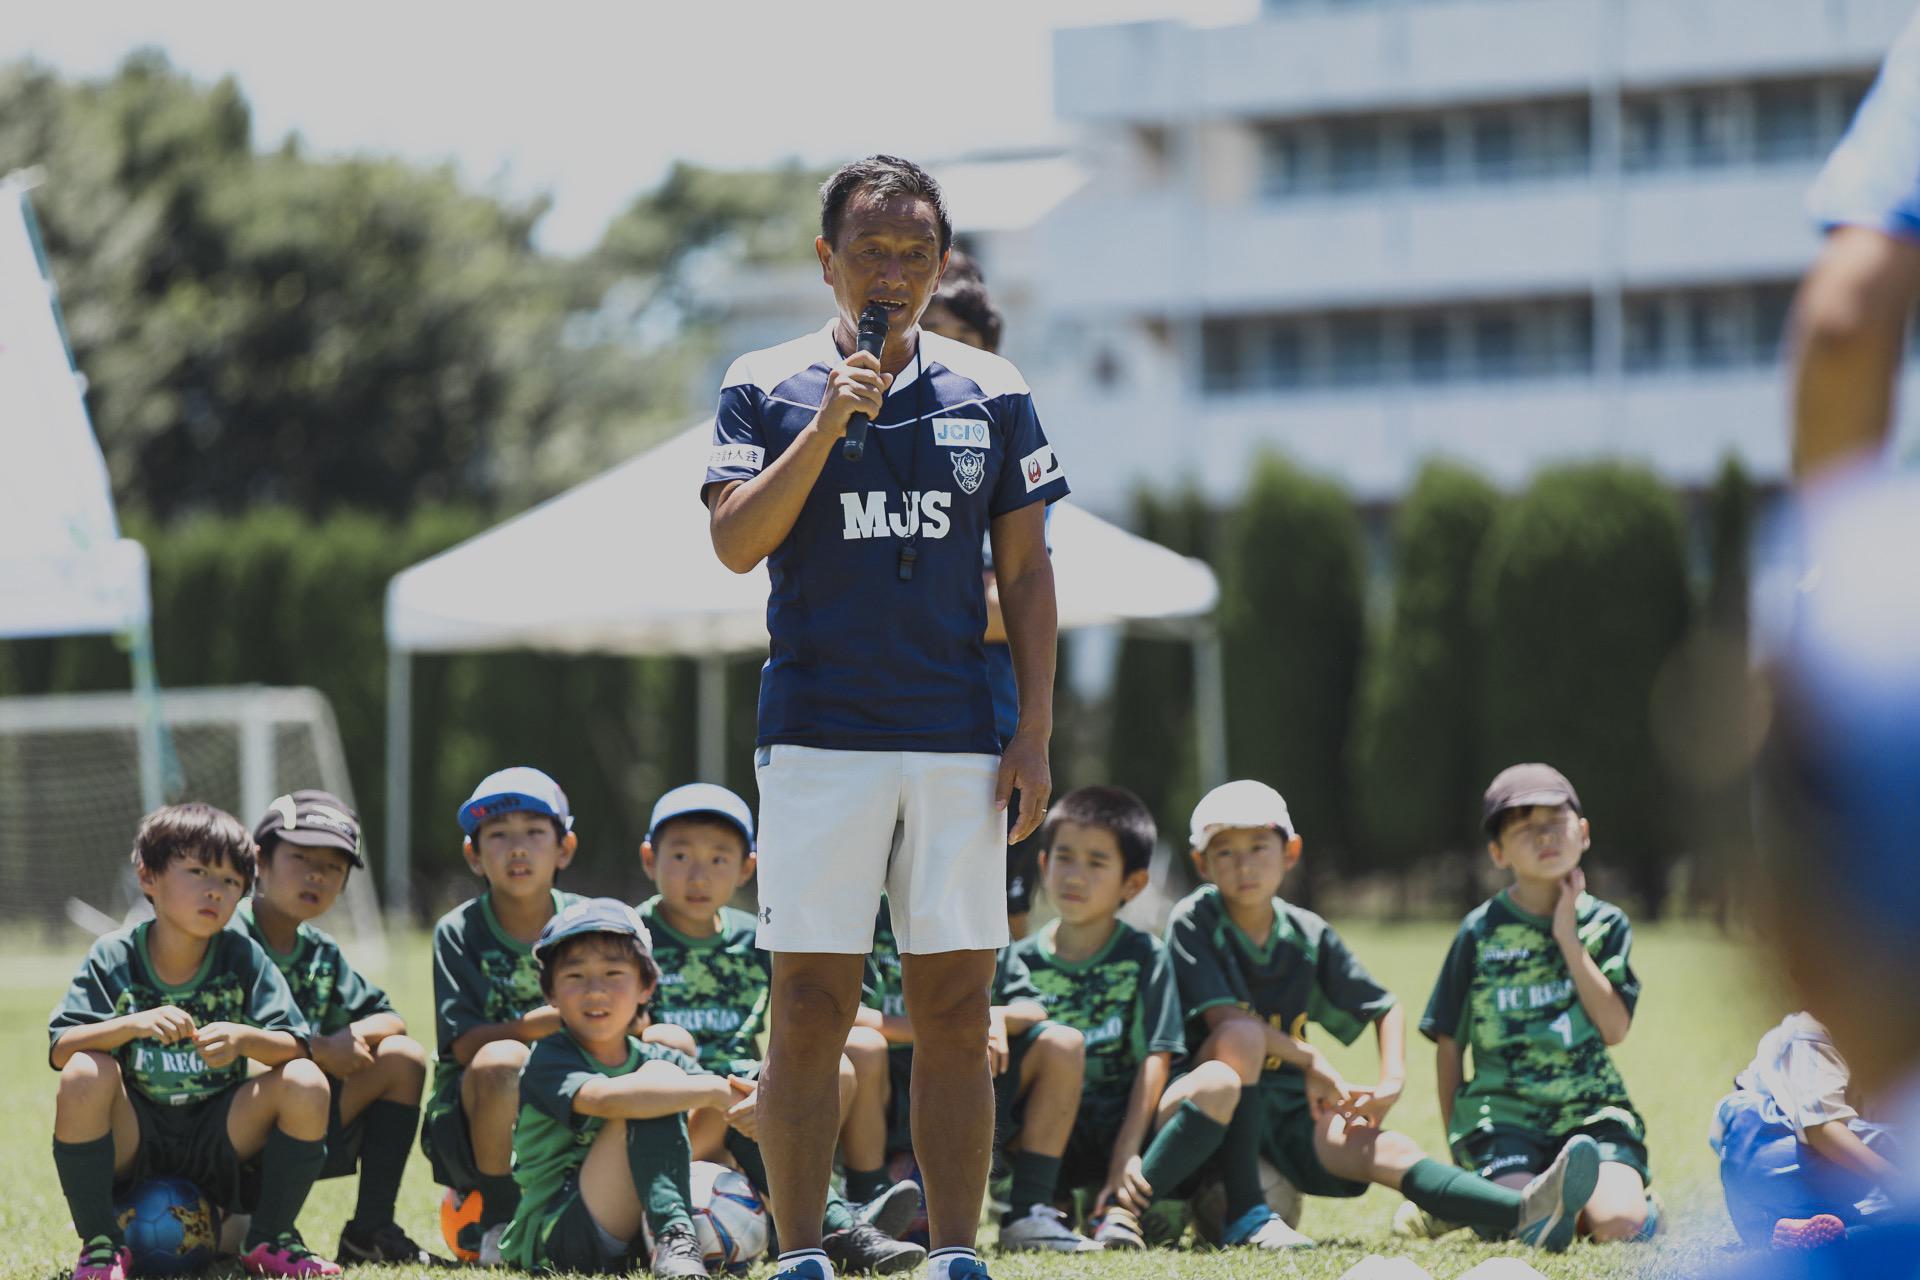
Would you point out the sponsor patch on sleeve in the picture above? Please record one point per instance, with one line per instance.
(962, 433)
(749, 456)
(1039, 467)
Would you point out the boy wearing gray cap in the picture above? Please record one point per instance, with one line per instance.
(1539, 983)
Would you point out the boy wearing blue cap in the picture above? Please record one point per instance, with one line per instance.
(715, 983)
(600, 1151)
(488, 1003)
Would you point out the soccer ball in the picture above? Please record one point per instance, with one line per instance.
(168, 1226)
(728, 1216)
(902, 1167)
(460, 1211)
(1210, 1203)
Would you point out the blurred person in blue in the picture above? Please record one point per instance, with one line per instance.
(880, 767)
(1838, 807)
(1849, 324)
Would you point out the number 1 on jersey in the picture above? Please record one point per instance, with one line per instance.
(1564, 1025)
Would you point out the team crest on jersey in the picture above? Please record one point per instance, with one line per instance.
(969, 469)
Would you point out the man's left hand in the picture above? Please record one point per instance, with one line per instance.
(1023, 767)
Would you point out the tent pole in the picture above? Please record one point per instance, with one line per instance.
(1209, 704)
(711, 707)
(399, 784)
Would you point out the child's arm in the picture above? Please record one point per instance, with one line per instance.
(1605, 1009)
(1005, 1021)
(1450, 1072)
(1326, 1090)
(1390, 1029)
(1843, 1146)
(166, 1024)
(534, 1024)
(1124, 1179)
(220, 1043)
(648, 1095)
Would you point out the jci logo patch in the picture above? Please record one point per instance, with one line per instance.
(961, 433)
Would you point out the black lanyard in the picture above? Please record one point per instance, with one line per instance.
(909, 550)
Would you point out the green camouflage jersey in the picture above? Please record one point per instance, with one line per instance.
(1123, 999)
(1505, 994)
(482, 975)
(717, 987)
(551, 1139)
(235, 983)
(1300, 973)
(330, 993)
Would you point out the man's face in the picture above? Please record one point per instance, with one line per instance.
(519, 854)
(889, 252)
(1540, 842)
(302, 882)
(194, 897)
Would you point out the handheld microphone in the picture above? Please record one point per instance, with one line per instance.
(873, 336)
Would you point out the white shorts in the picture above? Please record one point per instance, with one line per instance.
(839, 827)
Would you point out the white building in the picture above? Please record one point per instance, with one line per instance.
(1367, 231)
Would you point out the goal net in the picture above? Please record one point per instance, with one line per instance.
(70, 796)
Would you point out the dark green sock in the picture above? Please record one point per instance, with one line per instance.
(288, 1167)
(388, 1128)
(661, 1162)
(864, 1184)
(86, 1176)
(1240, 1153)
(1183, 1144)
(1456, 1195)
(1034, 1177)
(499, 1197)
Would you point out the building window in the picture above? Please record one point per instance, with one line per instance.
(1353, 155)
(1493, 147)
(1786, 122)
(1286, 363)
(1427, 349)
(1224, 369)
(1358, 350)
(1426, 153)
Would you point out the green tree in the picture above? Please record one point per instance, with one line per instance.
(1415, 769)
(1582, 595)
(1292, 585)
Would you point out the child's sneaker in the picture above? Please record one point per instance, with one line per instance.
(1044, 1228)
(102, 1259)
(1415, 1223)
(1820, 1230)
(1550, 1205)
(1261, 1228)
(892, 1211)
(1119, 1229)
(677, 1254)
(389, 1243)
(286, 1255)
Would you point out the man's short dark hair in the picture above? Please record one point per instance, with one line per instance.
(621, 944)
(881, 177)
(1113, 808)
(968, 301)
(194, 830)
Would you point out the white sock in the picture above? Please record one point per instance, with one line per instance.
(940, 1262)
(802, 1255)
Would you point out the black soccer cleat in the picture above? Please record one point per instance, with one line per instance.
(864, 1250)
(386, 1243)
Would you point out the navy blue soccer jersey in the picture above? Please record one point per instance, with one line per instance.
(1873, 177)
(864, 658)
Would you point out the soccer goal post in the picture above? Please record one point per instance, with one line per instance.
(70, 795)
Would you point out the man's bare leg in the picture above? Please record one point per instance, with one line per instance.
(815, 997)
(947, 998)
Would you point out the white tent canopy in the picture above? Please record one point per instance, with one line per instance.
(625, 559)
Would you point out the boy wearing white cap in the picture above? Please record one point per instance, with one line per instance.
(1253, 971)
(488, 1005)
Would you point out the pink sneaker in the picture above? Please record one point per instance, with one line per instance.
(100, 1259)
(1808, 1233)
(286, 1256)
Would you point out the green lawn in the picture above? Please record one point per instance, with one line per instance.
(1699, 1018)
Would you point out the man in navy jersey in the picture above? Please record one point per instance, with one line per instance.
(878, 761)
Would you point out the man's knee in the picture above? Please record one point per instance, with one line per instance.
(495, 1069)
(814, 1009)
(90, 1081)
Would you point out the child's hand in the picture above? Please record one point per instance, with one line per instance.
(342, 1054)
(1127, 1187)
(220, 1042)
(166, 1024)
(998, 1049)
(1566, 919)
(1326, 1091)
(1368, 1107)
(743, 1113)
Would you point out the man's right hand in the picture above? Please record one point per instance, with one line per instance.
(857, 386)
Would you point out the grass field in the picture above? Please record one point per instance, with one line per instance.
(1698, 1020)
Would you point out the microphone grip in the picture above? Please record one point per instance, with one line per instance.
(854, 446)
